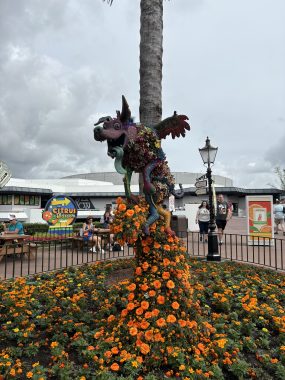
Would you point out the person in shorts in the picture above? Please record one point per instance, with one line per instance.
(278, 217)
(223, 214)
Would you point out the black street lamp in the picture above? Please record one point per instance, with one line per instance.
(208, 154)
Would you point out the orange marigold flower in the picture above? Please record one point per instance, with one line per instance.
(29, 375)
(115, 367)
(166, 262)
(129, 213)
(156, 245)
(119, 200)
(148, 335)
(161, 322)
(155, 312)
(175, 305)
(144, 287)
(152, 293)
(131, 287)
(145, 305)
(124, 312)
(160, 299)
(131, 296)
(111, 318)
(171, 318)
(144, 325)
(170, 284)
(115, 350)
(144, 348)
(122, 207)
(139, 311)
(157, 284)
(165, 275)
(138, 271)
(108, 354)
(148, 314)
(166, 247)
(130, 306)
(146, 249)
(154, 269)
(145, 265)
(182, 322)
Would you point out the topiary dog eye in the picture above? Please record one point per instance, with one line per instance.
(117, 126)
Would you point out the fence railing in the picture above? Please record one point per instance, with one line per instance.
(47, 254)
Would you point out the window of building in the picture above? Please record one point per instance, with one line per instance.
(5, 199)
(27, 200)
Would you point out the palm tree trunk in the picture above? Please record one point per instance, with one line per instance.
(150, 63)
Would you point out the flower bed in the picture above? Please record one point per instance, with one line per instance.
(61, 325)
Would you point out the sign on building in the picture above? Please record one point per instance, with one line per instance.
(60, 213)
(260, 221)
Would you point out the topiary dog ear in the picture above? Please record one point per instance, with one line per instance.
(125, 115)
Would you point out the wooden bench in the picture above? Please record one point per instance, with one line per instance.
(15, 244)
(79, 243)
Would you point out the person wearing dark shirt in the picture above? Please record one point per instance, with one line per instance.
(223, 214)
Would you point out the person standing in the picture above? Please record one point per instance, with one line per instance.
(223, 214)
(203, 219)
(278, 217)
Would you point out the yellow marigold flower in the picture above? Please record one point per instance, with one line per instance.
(135, 364)
(13, 372)
(222, 342)
(16, 330)
(53, 344)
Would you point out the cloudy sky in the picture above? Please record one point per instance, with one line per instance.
(65, 63)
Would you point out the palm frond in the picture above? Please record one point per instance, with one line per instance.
(109, 2)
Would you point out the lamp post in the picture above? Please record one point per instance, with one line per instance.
(208, 154)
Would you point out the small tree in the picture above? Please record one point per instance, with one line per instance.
(281, 176)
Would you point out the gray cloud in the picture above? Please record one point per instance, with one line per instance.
(63, 64)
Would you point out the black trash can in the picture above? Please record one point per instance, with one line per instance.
(179, 224)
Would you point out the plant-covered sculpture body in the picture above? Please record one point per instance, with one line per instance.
(137, 148)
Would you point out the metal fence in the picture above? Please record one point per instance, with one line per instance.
(48, 254)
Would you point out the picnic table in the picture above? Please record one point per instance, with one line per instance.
(14, 244)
